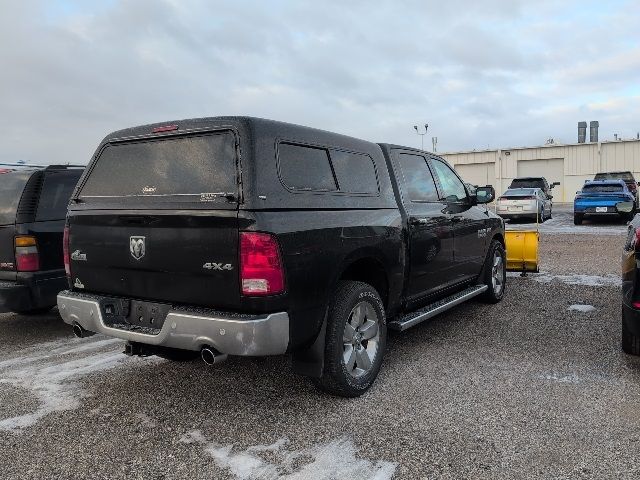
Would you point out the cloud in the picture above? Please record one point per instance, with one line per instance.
(499, 73)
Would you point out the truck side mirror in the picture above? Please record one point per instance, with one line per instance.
(555, 184)
(485, 194)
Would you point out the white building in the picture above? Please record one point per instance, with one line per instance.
(569, 164)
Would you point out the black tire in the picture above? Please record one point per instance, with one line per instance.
(34, 311)
(577, 219)
(178, 355)
(337, 378)
(492, 268)
(630, 342)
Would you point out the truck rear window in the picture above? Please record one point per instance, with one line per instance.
(611, 188)
(190, 168)
(11, 187)
(626, 176)
(527, 183)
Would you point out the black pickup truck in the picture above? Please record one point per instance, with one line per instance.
(244, 236)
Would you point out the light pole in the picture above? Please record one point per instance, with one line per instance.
(426, 127)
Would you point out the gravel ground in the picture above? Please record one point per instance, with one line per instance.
(524, 389)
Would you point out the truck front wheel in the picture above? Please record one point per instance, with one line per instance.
(495, 273)
(355, 340)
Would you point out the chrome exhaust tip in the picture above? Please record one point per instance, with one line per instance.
(80, 332)
(211, 356)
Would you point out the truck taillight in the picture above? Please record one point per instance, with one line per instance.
(26, 251)
(65, 251)
(261, 270)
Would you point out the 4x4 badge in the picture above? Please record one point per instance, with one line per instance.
(137, 247)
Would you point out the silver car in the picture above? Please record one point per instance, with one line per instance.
(529, 203)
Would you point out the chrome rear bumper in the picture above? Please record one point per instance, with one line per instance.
(258, 335)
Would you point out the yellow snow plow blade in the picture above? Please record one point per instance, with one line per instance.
(522, 251)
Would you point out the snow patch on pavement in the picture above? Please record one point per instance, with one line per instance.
(563, 224)
(336, 459)
(47, 372)
(579, 279)
(582, 308)
(567, 378)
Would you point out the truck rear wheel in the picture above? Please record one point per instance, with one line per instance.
(356, 338)
(577, 219)
(495, 273)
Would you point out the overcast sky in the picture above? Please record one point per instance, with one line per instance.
(494, 73)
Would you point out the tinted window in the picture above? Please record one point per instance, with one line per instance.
(54, 196)
(530, 183)
(606, 188)
(626, 176)
(305, 168)
(355, 172)
(11, 186)
(521, 191)
(189, 168)
(452, 188)
(417, 178)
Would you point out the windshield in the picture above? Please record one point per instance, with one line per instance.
(11, 186)
(520, 192)
(626, 176)
(193, 168)
(605, 188)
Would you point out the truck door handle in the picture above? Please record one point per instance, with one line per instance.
(419, 221)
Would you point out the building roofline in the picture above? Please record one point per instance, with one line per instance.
(550, 145)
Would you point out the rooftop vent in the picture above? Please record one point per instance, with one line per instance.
(582, 132)
(593, 131)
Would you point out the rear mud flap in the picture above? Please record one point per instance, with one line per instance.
(310, 361)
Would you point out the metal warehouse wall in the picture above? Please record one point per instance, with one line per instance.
(573, 163)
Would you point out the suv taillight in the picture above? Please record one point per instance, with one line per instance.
(26, 250)
(65, 251)
(261, 270)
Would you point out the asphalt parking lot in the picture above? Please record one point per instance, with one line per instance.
(534, 387)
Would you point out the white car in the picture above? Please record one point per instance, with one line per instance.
(531, 203)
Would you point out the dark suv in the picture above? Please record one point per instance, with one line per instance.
(243, 236)
(33, 207)
(628, 179)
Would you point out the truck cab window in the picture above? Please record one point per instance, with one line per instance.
(452, 188)
(419, 183)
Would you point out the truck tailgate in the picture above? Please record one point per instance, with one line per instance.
(178, 257)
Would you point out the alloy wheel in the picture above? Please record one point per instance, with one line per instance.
(361, 338)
